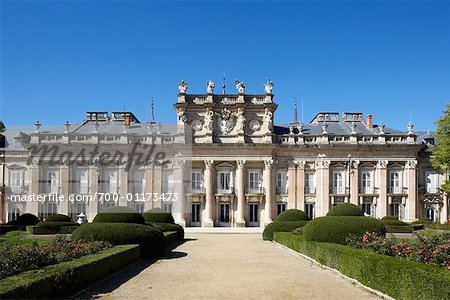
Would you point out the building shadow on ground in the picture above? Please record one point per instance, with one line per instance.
(120, 277)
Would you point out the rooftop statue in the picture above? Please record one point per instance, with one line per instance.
(210, 87)
(182, 88)
(268, 86)
(240, 86)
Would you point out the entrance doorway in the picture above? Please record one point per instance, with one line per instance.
(253, 217)
(224, 214)
(195, 214)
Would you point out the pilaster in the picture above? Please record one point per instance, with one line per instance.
(301, 165)
(64, 204)
(382, 199)
(92, 208)
(240, 185)
(209, 194)
(354, 190)
(323, 187)
(148, 204)
(180, 192)
(268, 185)
(411, 202)
(292, 197)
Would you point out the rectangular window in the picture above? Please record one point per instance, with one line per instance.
(254, 181)
(52, 183)
(366, 207)
(394, 182)
(282, 182)
(167, 182)
(281, 206)
(309, 210)
(309, 183)
(167, 206)
(338, 184)
(139, 206)
(108, 182)
(224, 182)
(139, 182)
(395, 209)
(15, 181)
(81, 181)
(366, 183)
(196, 181)
(431, 182)
(195, 214)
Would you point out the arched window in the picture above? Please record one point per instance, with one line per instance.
(13, 214)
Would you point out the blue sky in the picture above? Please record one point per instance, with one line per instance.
(60, 59)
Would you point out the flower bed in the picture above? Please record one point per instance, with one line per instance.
(435, 250)
(15, 259)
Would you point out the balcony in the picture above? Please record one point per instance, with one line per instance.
(310, 190)
(225, 191)
(397, 190)
(254, 190)
(198, 190)
(339, 190)
(368, 190)
(282, 190)
(17, 190)
(431, 190)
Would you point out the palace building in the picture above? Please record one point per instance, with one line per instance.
(223, 163)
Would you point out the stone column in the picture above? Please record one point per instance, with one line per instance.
(292, 197)
(157, 186)
(382, 199)
(411, 203)
(323, 187)
(148, 196)
(444, 210)
(64, 204)
(123, 186)
(33, 206)
(92, 206)
(301, 184)
(209, 194)
(240, 186)
(180, 193)
(268, 186)
(354, 188)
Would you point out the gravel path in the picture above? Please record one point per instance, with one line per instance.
(227, 266)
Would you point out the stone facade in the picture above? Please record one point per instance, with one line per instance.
(226, 164)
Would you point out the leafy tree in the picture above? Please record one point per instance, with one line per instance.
(441, 151)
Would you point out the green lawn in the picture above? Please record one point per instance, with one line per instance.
(18, 238)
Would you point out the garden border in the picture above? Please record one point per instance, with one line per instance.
(63, 279)
(402, 279)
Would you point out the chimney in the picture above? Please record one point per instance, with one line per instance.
(369, 121)
(127, 119)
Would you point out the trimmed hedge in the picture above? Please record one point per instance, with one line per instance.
(389, 222)
(345, 209)
(281, 227)
(5, 228)
(64, 279)
(337, 229)
(119, 214)
(401, 279)
(292, 215)
(165, 227)
(170, 237)
(399, 229)
(150, 239)
(55, 226)
(422, 221)
(58, 218)
(25, 220)
(157, 215)
(439, 226)
(39, 230)
(389, 218)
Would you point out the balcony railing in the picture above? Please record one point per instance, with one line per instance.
(368, 190)
(339, 190)
(431, 190)
(198, 190)
(310, 190)
(281, 190)
(254, 190)
(17, 190)
(397, 190)
(229, 190)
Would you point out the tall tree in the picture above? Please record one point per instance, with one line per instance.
(440, 158)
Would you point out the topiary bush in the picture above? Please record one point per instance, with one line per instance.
(157, 215)
(25, 220)
(119, 214)
(58, 218)
(389, 218)
(55, 226)
(281, 226)
(345, 209)
(292, 215)
(422, 221)
(336, 229)
(151, 240)
(389, 222)
(164, 227)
